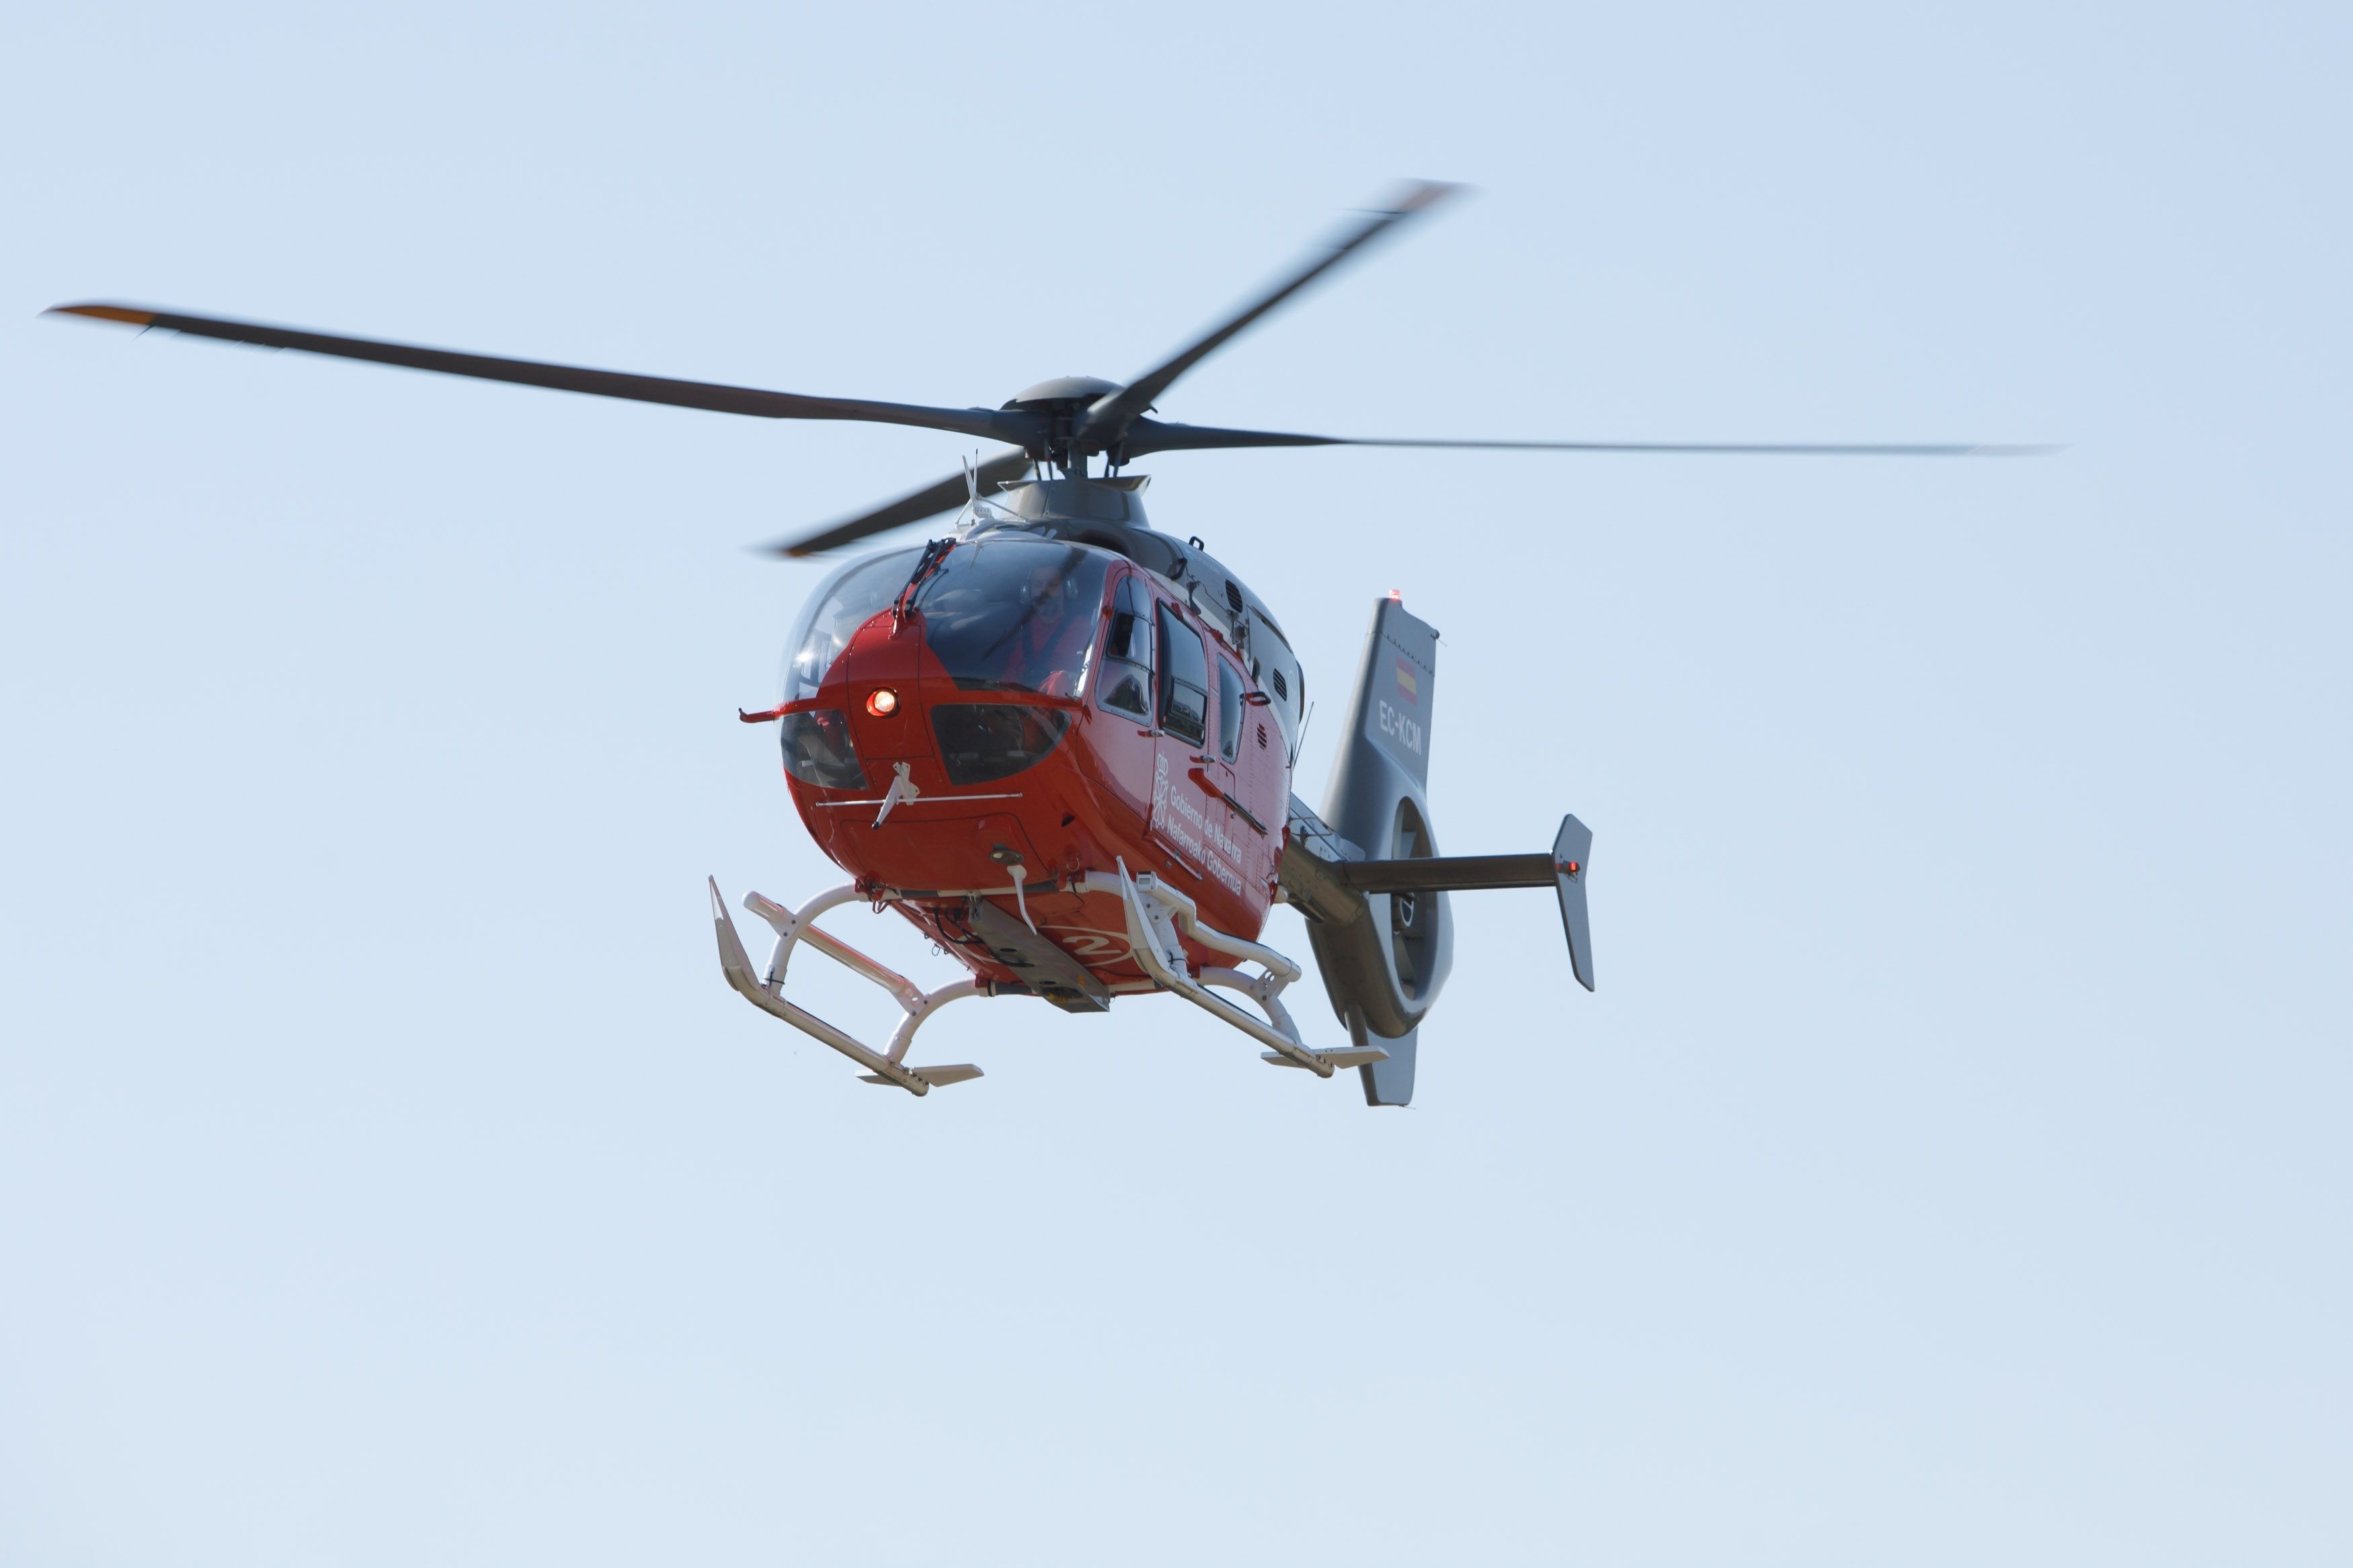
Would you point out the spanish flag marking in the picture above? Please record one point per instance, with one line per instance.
(1406, 682)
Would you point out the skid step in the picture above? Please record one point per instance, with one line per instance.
(1346, 1057)
(937, 1077)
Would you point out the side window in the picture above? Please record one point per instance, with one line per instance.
(1184, 679)
(1230, 710)
(1127, 653)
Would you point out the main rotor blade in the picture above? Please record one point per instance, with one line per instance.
(993, 424)
(929, 501)
(1149, 435)
(1114, 410)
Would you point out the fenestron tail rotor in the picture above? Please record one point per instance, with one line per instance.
(1061, 423)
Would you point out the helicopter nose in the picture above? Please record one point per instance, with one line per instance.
(882, 694)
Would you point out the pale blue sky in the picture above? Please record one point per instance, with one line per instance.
(1952, 1168)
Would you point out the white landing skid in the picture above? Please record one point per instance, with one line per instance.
(1159, 919)
(885, 1067)
(1156, 912)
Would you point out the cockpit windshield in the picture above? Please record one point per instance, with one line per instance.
(1016, 615)
(843, 602)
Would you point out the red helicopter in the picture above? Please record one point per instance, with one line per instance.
(1061, 743)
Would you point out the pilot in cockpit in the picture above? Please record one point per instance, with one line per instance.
(1049, 647)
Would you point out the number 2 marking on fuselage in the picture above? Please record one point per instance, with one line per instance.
(1092, 943)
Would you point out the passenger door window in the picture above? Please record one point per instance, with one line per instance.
(1184, 678)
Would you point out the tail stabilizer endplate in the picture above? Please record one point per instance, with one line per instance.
(1571, 853)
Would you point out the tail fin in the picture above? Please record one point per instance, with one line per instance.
(1384, 971)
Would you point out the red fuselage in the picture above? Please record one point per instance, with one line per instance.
(1055, 708)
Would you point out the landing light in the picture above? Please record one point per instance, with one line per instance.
(881, 702)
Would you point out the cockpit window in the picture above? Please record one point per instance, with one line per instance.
(1126, 682)
(842, 603)
(1015, 614)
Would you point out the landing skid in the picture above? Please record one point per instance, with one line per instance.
(1156, 913)
(884, 1066)
(1158, 918)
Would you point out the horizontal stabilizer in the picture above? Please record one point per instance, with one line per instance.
(1446, 873)
(1562, 870)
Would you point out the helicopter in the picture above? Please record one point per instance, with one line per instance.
(1060, 743)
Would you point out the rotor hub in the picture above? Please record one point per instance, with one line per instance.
(1063, 389)
(1062, 404)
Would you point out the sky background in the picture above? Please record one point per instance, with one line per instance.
(1951, 1169)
